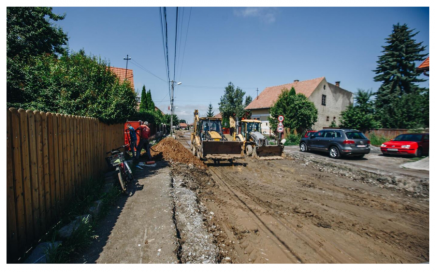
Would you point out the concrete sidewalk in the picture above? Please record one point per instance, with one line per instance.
(141, 228)
(422, 164)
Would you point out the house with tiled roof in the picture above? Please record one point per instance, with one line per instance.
(219, 115)
(424, 67)
(329, 99)
(123, 75)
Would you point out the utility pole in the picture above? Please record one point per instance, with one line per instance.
(257, 93)
(172, 103)
(126, 66)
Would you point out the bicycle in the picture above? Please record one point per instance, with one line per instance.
(117, 160)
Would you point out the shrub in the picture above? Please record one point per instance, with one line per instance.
(377, 140)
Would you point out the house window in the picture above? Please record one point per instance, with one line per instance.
(323, 99)
(324, 87)
(327, 118)
(333, 118)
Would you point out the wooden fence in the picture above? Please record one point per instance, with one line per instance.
(49, 157)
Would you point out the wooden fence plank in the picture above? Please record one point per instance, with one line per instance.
(61, 152)
(58, 178)
(34, 173)
(74, 152)
(12, 240)
(46, 163)
(26, 173)
(18, 178)
(40, 167)
(68, 158)
(65, 154)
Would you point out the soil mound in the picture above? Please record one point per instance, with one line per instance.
(171, 150)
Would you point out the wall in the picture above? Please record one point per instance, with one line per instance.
(263, 114)
(337, 100)
(49, 158)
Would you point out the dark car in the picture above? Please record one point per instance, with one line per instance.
(413, 144)
(337, 142)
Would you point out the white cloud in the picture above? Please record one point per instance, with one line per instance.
(266, 15)
(186, 111)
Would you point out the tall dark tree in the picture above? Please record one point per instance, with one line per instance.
(360, 115)
(232, 102)
(143, 100)
(247, 113)
(150, 102)
(399, 101)
(210, 112)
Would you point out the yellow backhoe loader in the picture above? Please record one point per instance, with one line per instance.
(255, 144)
(208, 142)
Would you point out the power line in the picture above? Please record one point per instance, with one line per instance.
(176, 33)
(145, 69)
(185, 42)
(213, 87)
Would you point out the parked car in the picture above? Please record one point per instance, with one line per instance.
(337, 142)
(414, 144)
(308, 133)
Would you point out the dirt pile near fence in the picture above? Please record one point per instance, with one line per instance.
(171, 150)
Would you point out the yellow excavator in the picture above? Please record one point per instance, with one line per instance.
(208, 142)
(255, 144)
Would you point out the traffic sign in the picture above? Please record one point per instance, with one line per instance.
(280, 129)
(281, 118)
(280, 124)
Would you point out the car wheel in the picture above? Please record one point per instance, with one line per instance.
(334, 152)
(417, 152)
(303, 147)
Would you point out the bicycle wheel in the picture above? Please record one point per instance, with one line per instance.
(121, 180)
(128, 172)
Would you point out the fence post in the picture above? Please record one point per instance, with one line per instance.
(45, 156)
(40, 167)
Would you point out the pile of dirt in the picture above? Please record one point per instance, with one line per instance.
(171, 150)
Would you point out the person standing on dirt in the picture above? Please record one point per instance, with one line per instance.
(144, 133)
(133, 140)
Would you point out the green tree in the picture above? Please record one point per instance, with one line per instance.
(76, 84)
(175, 120)
(210, 112)
(360, 115)
(399, 101)
(232, 102)
(143, 100)
(30, 33)
(299, 113)
(183, 121)
(150, 101)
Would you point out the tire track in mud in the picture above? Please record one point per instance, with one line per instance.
(333, 253)
(294, 255)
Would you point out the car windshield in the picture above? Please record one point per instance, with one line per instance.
(252, 127)
(355, 135)
(408, 137)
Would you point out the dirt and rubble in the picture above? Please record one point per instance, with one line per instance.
(291, 211)
(171, 150)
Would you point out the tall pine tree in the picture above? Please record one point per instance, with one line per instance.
(399, 101)
(210, 112)
(143, 100)
(150, 102)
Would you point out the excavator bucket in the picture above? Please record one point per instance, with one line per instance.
(222, 150)
(268, 152)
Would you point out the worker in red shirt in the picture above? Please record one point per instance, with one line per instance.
(144, 134)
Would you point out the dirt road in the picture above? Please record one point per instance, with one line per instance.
(286, 211)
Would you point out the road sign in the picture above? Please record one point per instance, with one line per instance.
(280, 118)
(280, 129)
(280, 124)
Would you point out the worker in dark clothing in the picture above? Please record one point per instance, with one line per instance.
(133, 140)
(144, 133)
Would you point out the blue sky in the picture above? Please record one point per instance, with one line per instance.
(251, 47)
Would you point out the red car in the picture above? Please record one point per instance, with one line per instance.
(415, 144)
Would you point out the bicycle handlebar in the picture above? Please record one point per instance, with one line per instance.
(124, 146)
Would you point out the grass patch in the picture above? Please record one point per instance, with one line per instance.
(377, 140)
(293, 139)
(85, 232)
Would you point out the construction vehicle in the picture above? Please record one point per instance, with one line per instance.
(255, 144)
(208, 142)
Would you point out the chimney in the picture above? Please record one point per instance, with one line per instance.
(337, 83)
(296, 80)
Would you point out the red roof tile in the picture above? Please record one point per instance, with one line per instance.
(268, 96)
(424, 65)
(219, 115)
(120, 73)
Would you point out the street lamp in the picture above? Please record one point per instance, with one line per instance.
(172, 101)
